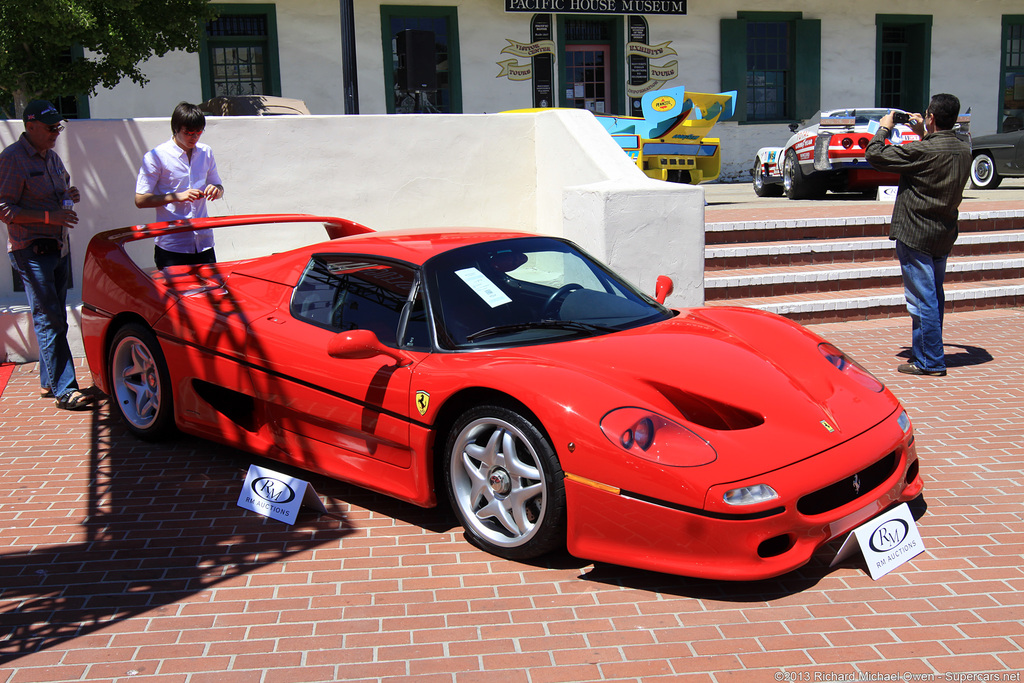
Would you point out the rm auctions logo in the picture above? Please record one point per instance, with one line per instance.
(889, 535)
(272, 490)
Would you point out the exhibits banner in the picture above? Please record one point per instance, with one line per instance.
(597, 6)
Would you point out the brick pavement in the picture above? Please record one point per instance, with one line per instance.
(124, 561)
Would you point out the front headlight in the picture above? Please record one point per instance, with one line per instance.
(750, 495)
(656, 438)
(850, 367)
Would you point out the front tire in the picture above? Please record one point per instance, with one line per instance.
(761, 187)
(795, 183)
(505, 483)
(983, 172)
(140, 386)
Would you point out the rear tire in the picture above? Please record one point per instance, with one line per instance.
(140, 386)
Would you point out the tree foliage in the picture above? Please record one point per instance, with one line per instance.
(117, 35)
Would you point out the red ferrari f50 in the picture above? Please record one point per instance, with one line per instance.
(550, 402)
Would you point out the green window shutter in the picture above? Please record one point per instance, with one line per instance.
(807, 70)
(734, 63)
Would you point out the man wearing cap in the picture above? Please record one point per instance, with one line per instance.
(34, 186)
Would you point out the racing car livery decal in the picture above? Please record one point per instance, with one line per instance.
(829, 155)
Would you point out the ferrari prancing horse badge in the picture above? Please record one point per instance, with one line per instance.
(422, 401)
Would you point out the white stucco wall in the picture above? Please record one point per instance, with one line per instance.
(964, 60)
(556, 173)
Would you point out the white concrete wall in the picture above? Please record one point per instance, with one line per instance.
(964, 61)
(557, 173)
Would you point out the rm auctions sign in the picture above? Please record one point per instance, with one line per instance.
(276, 495)
(887, 541)
(597, 6)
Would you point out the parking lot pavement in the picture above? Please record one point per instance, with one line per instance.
(126, 561)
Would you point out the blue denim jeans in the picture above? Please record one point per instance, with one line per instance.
(46, 281)
(923, 275)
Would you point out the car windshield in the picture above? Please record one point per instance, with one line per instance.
(529, 290)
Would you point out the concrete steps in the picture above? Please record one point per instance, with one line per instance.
(845, 268)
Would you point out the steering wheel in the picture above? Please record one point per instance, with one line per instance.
(554, 301)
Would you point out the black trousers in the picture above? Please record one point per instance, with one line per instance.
(166, 258)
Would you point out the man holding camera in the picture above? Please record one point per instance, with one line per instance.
(933, 172)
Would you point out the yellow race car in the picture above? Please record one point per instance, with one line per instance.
(668, 142)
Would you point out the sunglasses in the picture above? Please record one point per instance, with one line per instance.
(55, 128)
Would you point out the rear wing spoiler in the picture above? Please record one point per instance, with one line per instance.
(673, 114)
(335, 227)
(848, 120)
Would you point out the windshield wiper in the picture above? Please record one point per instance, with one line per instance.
(539, 324)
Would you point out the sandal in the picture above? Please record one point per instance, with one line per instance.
(45, 392)
(74, 400)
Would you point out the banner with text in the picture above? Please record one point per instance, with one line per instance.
(597, 6)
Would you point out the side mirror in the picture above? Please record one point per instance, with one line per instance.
(358, 344)
(663, 288)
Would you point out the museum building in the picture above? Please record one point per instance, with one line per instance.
(786, 61)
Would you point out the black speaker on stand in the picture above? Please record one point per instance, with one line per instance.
(417, 63)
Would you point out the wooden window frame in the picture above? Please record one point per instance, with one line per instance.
(804, 99)
(271, 63)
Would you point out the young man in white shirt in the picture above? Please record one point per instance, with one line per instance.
(177, 178)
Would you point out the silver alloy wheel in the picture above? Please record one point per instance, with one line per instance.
(762, 186)
(758, 178)
(788, 171)
(497, 482)
(135, 381)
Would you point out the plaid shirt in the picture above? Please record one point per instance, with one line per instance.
(30, 181)
(933, 173)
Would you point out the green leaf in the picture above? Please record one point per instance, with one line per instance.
(117, 35)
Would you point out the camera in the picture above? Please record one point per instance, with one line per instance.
(900, 117)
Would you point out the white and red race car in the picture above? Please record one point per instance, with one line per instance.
(829, 155)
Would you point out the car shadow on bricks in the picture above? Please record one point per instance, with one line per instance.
(737, 592)
(159, 524)
(733, 592)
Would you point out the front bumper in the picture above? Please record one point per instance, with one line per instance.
(616, 526)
